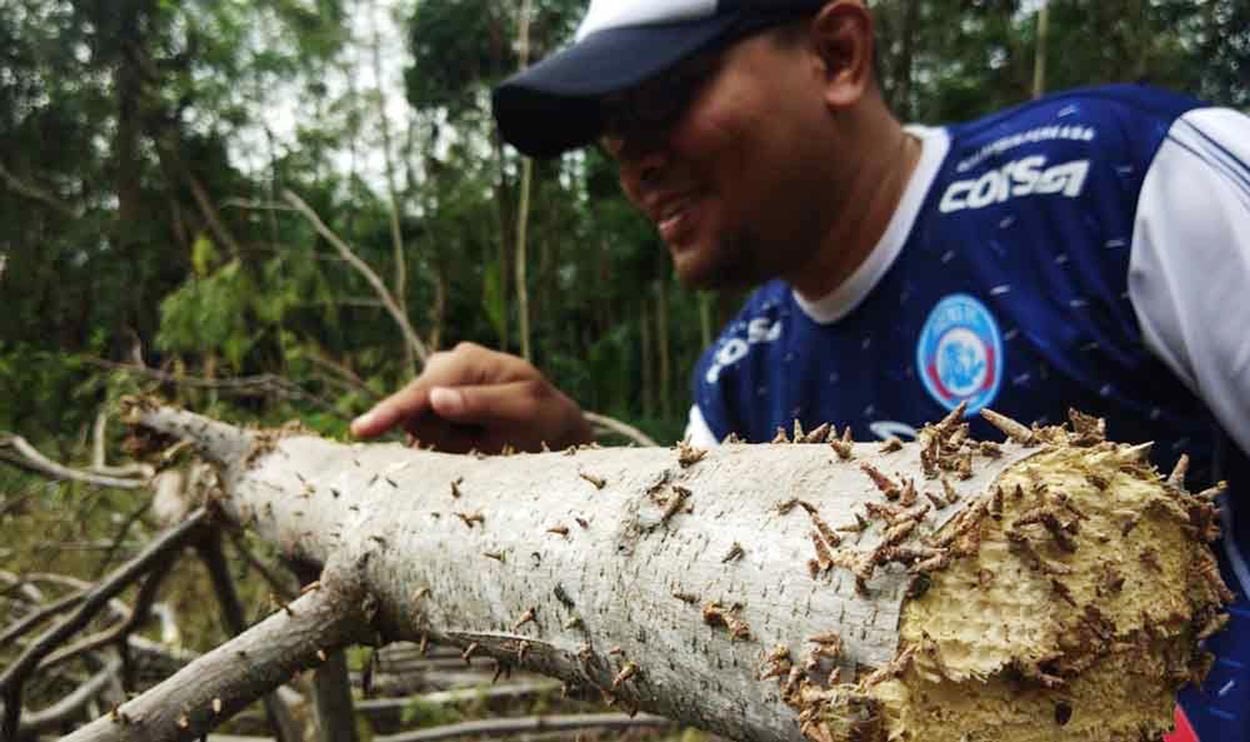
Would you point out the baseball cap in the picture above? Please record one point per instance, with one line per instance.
(553, 106)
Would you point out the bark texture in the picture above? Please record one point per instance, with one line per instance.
(944, 589)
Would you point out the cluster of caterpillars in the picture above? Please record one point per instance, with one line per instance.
(1045, 521)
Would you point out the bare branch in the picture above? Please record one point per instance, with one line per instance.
(490, 727)
(613, 425)
(261, 384)
(363, 268)
(35, 193)
(12, 678)
(117, 634)
(49, 719)
(99, 463)
(280, 587)
(222, 682)
(28, 457)
(30, 620)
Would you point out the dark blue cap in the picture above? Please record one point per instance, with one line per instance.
(553, 106)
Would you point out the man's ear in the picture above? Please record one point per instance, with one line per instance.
(842, 36)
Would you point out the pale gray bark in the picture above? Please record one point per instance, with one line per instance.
(574, 568)
(222, 682)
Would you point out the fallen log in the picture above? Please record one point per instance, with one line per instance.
(1049, 587)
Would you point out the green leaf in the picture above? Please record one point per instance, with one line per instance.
(203, 255)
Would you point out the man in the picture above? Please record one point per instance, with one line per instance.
(1089, 250)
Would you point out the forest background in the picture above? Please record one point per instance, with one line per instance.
(174, 177)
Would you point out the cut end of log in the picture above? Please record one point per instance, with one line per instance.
(1052, 620)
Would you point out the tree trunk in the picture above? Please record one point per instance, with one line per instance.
(662, 345)
(834, 591)
(1039, 58)
(128, 230)
(646, 359)
(400, 286)
(523, 208)
(907, 46)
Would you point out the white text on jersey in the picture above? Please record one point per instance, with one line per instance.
(1023, 177)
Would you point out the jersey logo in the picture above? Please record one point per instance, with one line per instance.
(759, 330)
(1024, 177)
(959, 354)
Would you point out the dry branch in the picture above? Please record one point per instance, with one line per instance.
(867, 612)
(222, 682)
(28, 457)
(612, 425)
(36, 193)
(13, 677)
(72, 705)
(374, 281)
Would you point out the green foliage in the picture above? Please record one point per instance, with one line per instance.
(204, 316)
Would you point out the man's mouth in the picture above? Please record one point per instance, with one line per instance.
(675, 218)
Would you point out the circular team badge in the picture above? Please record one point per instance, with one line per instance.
(960, 353)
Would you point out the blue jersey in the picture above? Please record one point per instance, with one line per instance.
(1006, 286)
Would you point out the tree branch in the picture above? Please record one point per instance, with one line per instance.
(52, 717)
(613, 425)
(38, 194)
(363, 268)
(225, 680)
(882, 588)
(260, 384)
(28, 457)
(12, 678)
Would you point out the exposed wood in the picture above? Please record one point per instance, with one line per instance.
(856, 610)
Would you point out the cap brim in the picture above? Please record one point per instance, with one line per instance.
(553, 106)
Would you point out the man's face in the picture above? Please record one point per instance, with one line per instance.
(733, 177)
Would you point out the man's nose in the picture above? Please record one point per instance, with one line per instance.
(642, 160)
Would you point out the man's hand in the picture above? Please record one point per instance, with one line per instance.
(475, 398)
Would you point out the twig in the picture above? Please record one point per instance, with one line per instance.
(30, 620)
(363, 268)
(38, 194)
(51, 718)
(100, 465)
(29, 458)
(211, 689)
(243, 385)
(118, 539)
(620, 428)
(281, 587)
(14, 675)
(458, 696)
(118, 634)
(528, 724)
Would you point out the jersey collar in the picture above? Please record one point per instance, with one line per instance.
(935, 143)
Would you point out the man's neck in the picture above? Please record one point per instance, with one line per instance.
(862, 209)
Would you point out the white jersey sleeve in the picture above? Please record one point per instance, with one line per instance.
(1189, 274)
(697, 430)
